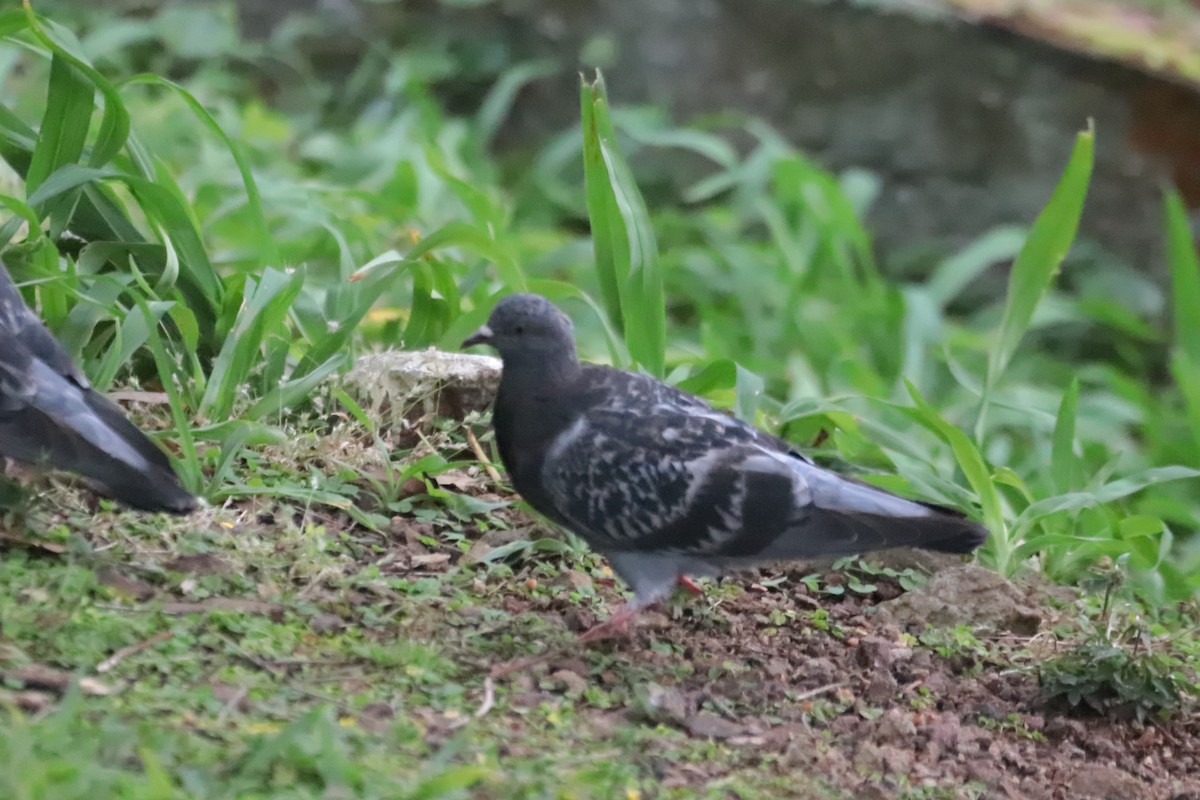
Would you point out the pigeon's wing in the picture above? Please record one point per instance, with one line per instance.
(645, 467)
(20, 326)
(49, 414)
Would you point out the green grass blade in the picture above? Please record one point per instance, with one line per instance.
(63, 133)
(188, 464)
(499, 99)
(477, 240)
(607, 232)
(1184, 264)
(165, 205)
(625, 248)
(64, 180)
(268, 253)
(262, 313)
(971, 462)
(1065, 466)
(1186, 373)
(1108, 493)
(114, 123)
(1039, 260)
(289, 393)
(961, 269)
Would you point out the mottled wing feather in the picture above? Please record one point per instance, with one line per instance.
(653, 468)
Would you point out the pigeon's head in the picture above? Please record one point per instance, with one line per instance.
(527, 326)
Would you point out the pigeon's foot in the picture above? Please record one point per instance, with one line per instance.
(521, 664)
(615, 626)
(690, 585)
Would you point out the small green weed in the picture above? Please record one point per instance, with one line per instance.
(1011, 723)
(1116, 670)
(1111, 679)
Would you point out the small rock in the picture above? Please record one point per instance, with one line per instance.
(778, 668)
(122, 584)
(376, 717)
(199, 564)
(576, 665)
(325, 623)
(871, 757)
(944, 736)
(397, 387)
(896, 727)
(235, 696)
(968, 595)
(874, 652)
(578, 580)
(882, 687)
(984, 771)
(1100, 782)
(665, 704)
(707, 724)
(821, 671)
(574, 684)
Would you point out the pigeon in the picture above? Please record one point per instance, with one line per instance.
(664, 485)
(50, 414)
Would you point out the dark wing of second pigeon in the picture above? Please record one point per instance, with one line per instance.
(647, 468)
(49, 414)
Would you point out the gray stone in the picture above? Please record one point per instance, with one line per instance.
(967, 595)
(397, 387)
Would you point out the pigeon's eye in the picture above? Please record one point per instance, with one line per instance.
(519, 330)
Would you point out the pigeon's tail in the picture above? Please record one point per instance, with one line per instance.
(149, 482)
(826, 533)
(82, 431)
(846, 516)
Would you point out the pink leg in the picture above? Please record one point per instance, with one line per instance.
(616, 625)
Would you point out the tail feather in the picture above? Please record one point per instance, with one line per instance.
(848, 516)
(96, 440)
(837, 533)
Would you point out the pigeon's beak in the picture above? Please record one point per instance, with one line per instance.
(481, 336)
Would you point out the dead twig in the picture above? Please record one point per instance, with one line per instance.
(483, 459)
(489, 698)
(125, 652)
(820, 690)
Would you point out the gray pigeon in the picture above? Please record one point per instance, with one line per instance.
(50, 414)
(663, 484)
